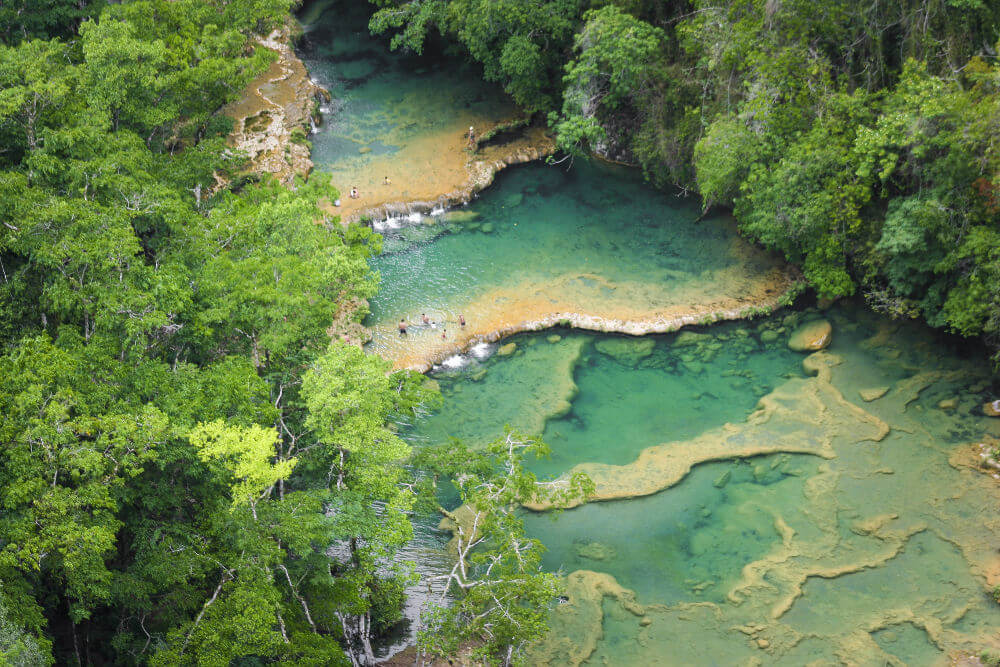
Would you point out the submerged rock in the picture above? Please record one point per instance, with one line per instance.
(628, 352)
(487, 228)
(873, 394)
(507, 350)
(723, 479)
(596, 551)
(514, 199)
(461, 216)
(688, 338)
(948, 403)
(694, 367)
(554, 338)
(768, 336)
(811, 336)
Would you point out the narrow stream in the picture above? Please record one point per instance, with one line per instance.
(762, 506)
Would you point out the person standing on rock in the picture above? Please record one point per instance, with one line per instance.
(402, 327)
(461, 320)
(472, 137)
(426, 320)
(385, 181)
(354, 192)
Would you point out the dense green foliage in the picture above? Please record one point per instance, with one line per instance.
(501, 596)
(189, 471)
(858, 139)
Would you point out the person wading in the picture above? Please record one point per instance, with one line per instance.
(402, 327)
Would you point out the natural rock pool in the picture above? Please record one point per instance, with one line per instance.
(878, 546)
(754, 505)
(397, 116)
(591, 245)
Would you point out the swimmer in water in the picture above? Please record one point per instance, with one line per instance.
(461, 320)
(444, 334)
(426, 320)
(402, 327)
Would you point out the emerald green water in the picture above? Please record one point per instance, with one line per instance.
(605, 398)
(765, 512)
(844, 559)
(541, 223)
(544, 243)
(382, 101)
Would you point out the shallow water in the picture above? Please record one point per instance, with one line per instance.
(546, 243)
(880, 549)
(392, 114)
(757, 509)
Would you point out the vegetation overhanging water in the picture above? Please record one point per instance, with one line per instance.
(193, 472)
(797, 518)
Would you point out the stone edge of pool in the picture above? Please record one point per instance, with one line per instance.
(533, 145)
(589, 322)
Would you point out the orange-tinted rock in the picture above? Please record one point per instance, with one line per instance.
(811, 336)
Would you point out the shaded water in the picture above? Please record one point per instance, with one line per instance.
(392, 114)
(544, 244)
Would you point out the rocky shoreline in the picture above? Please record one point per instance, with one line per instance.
(274, 115)
(480, 168)
(524, 308)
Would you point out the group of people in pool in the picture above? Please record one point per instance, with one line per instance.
(429, 323)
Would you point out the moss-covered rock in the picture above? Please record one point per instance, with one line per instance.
(626, 351)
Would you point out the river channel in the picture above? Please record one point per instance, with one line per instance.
(754, 504)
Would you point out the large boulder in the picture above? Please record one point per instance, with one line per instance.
(992, 409)
(811, 336)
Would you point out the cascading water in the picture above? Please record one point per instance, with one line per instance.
(772, 507)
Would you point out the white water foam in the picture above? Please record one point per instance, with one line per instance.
(388, 223)
(455, 362)
(482, 350)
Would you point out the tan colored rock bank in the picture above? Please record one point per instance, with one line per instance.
(273, 115)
